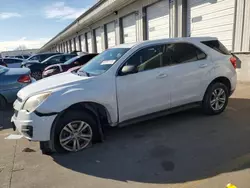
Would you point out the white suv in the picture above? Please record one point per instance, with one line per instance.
(123, 85)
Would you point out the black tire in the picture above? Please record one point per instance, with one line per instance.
(36, 74)
(75, 116)
(3, 103)
(206, 103)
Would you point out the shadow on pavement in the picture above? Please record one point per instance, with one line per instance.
(5, 117)
(182, 147)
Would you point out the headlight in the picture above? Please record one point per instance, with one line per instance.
(33, 102)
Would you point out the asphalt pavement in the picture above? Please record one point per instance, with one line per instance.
(182, 150)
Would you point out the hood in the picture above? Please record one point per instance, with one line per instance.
(53, 83)
(17, 71)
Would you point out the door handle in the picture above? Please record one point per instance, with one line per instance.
(162, 75)
(203, 65)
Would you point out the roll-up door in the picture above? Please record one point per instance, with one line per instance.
(129, 28)
(89, 42)
(98, 40)
(110, 34)
(158, 20)
(73, 44)
(77, 43)
(65, 47)
(83, 43)
(211, 18)
(68, 46)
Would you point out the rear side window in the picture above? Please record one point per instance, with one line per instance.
(178, 53)
(217, 46)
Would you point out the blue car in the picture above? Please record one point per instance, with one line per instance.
(11, 81)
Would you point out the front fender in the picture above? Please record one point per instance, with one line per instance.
(62, 100)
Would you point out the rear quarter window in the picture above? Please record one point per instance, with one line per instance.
(217, 46)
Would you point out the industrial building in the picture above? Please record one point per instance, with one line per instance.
(112, 22)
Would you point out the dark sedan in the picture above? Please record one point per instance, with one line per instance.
(11, 81)
(74, 62)
(37, 68)
(37, 58)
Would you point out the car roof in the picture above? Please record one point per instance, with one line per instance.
(167, 40)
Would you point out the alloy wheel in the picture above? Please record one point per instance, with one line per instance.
(218, 99)
(75, 136)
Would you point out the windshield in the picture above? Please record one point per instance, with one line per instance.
(71, 60)
(104, 61)
(3, 69)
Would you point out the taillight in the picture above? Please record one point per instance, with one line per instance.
(233, 61)
(24, 79)
(4, 64)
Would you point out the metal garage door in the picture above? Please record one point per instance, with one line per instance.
(68, 46)
(83, 43)
(77, 43)
(211, 18)
(110, 33)
(89, 42)
(65, 47)
(98, 40)
(158, 20)
(129, 28)
(73, 44)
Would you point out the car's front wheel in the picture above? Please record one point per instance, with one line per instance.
(75, 132)
(215, 99)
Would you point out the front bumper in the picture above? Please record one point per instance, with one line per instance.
(32, 126)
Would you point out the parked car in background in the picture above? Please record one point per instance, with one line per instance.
(74, 69)
(11, 81)
(12, 62)
(38, 68)
(126, 84)
(73, 62)
(37, 58)
(22, 56)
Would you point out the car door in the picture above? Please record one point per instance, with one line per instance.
(189, 70)
(147, 90)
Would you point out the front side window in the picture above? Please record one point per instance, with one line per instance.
(34, 58)
(18, 61)
(103, 62)
(147, 58)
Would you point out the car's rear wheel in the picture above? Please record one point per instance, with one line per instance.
(3, 103)
(75, 132)
(215, 99)
(37, 75)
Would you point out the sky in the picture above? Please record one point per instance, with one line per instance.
(32, 23)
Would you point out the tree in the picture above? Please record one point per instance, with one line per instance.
(21, 47)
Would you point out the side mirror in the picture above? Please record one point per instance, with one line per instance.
(76, 63)
(128, 69)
